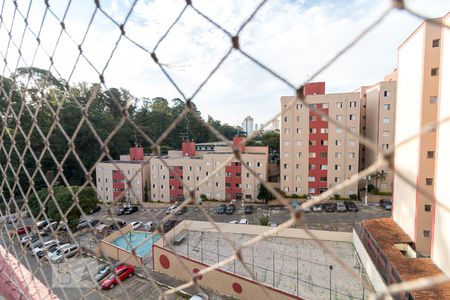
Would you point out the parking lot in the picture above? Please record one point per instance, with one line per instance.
(331, 221)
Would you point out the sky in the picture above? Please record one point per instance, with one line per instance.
(294, 38)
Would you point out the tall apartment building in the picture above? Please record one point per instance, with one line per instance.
(113, 176)
(247, 125)
(315, 154)
(379, 125)
(231, 182)
(418, 87)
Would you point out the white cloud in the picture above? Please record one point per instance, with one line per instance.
(294, 38)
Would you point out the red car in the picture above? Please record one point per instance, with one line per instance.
(21, 231)
(121, 272)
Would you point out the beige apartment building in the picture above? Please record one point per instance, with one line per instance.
(418, 87)
(315, 154)
(195, 163)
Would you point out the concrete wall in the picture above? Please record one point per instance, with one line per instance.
(440, 247)
(165, 261)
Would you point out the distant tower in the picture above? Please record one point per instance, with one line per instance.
(247, 125)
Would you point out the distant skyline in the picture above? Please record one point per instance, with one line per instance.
(294, 38)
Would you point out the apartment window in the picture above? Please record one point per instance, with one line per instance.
(217, 184)
(286, 154)
(434, 71)
(298, 118)
(312, 106)
(106, 180)
(199, 168)
(299, 106)
(350, 167)
(206, 173)
(162, 186)
(286, 189)
(285, 119)
(286, 130)
(433, 99)
(312, 130)
(99, 180)
(208, 163)
(351, 142)
(298, 178)
(427, 207)
(429, 181)
(386, 120)
(387, 107)
(324, 142)
(337, 167)
(190, 168)
(385, 147)
(299, 154)
(286, 177)
(312, 154)
(153, 186)
(337, 179)
(311, 179)
(352, 117)
(387, 93)
(436, 43)
(258, 164)
(352, 103)
(312, 118)
(352, 129)
(338, 117)
(385, 133)
(323, 118)
(299, 131)
(189, 178)
(297, 190)
(171, 177)
(351, 155)
(285, 166)
(323, 179)
(312, 166)
(325, 105)
(311, 190)
(297, 166)
(430, 154)
(323, 154)
(338, 130)
(338, 154)
(312, 143)
(324, 167)
(323, 130)
(427, 233)
(298, 143)
(339, 104)
(338, 142)
(248, 175)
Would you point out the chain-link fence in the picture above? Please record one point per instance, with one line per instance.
(44, 172)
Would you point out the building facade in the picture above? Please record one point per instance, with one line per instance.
(419, 84)
(314, 153)
(248, 125)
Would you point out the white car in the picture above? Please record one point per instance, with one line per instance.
(11, 219)
(136, 225)
(244, 221)
(169, 210)
(52, 253)
(234, 222)
(67, 252)
(45, 246)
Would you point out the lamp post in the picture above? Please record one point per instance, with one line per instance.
(368, 178)
(331, 269)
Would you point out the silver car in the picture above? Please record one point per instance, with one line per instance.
(65, 253)
(341, 207)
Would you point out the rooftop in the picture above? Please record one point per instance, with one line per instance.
(387, 233)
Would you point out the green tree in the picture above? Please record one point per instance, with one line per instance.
(264, 221)
(264, 194)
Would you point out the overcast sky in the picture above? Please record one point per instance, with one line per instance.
(294, 38)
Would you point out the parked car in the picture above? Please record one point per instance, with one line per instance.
(121, 210)
(11, 219)
(330, 207)
(120, 224)
(82, 224)
(51, 249)
(50, 227)
(68, 252)
(150, 226)
(130, 210)
(244, 221)
(102, 272)
(317, 208)
(120, 273)
(39, 242)
(41, 224)
(94, 210)
(234, 222)
(20, 231)
(351, 206)
(307, 209)
(248, 209)
(44, 246)
(170, 209)
(340, 207)
(221, 209)
(273, 224)
(295, 204)
(199, 296)
(181, 211)
(26, 240)
(136, 225)
(230, 209)
(94, 222)
(386, 204)
(169, 224)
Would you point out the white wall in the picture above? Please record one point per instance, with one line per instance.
(441, 237)
(409, 92)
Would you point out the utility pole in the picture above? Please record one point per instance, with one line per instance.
(331, 269)
(367, 189)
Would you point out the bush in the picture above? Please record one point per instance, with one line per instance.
(304, 196)
(203, 197)
(264, 221)
(337, 196)
(370, 187)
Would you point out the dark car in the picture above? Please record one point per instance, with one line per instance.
(231, 209)
(120, 224)
(169, 224)
(221, 209)
(330, 207)
(121, 210)
(130, 210)
(351, 206)
(102, 272)
(386, 204)
(248, 210)
(181, 211)
(94, 222)
(94, 210)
